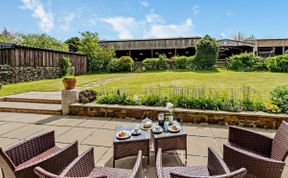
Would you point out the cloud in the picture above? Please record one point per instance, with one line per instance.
(196, 9)
(144, 3)
(154, 18)
(122, 25)
(46, 20)
(67, 19)
(152, 26)
(171, 30)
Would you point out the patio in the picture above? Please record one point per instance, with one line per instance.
(99, 132)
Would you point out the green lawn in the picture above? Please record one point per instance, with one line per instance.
(262, 82)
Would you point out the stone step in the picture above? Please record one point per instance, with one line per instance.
(32, 100)
(24, 107)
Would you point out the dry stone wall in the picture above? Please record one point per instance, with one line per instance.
(249, 119)
(10, 74)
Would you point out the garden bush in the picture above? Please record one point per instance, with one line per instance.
(87, 96)
(117, 97)
(161, 63)
(208, 100)
(66, 66)
(185, 62)
(122, 64)
(207, 50)
(246, 62)
(279, 97)
(278, 63)
(153, 100)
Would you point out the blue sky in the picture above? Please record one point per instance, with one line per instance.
(134, 19)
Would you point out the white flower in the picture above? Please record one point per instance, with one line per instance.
(169, 106)
(135, 98)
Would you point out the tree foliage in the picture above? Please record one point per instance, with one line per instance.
(73, 44)
(33, 40)
(98, 57)
(207, 50)
(42, 41)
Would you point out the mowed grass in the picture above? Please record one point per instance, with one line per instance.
(52, 84)
(138, 83)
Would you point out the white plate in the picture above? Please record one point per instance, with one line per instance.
(127, 134)
(154, 130)
(172, 130)
(133, 132)
(144, 128)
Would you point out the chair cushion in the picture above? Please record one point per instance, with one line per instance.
(39, 157)
(110, 172)
(191, 171)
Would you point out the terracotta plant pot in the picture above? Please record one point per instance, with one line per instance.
(69, 84)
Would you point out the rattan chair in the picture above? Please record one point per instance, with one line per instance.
(19, 161)
(216, 168)
(84, 166)
(263, 157)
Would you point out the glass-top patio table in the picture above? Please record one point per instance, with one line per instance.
(131, 146)
(168, 141)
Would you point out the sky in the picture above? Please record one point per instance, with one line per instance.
(138, 19)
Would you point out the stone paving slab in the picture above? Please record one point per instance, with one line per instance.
(37, 95)
(73, 134)
(34, 106)
(10, 127)
(99, 133)
(101, 137)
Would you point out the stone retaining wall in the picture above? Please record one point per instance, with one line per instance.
(10, 74)
(251, 119)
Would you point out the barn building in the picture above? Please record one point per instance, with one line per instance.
(149, 48)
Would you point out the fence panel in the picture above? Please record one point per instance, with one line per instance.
(35, 57)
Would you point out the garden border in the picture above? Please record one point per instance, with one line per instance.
(250, 119)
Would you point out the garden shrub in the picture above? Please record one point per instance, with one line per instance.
(66, 66)
(279, 97)
(87, 96)
(117, 97)
(123, 64)
(185, 62)
(225, 101)
(126, 64)
(246, 62)
(207, 50)
(278, 63)
(153, 100)
(160, 63)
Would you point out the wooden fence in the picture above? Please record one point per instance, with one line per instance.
(21, 56)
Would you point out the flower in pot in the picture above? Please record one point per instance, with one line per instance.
(69, 82)
(170, 108)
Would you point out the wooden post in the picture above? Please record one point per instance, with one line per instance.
(175, 52)
(152, 53)
(129, 53)
(283, 49)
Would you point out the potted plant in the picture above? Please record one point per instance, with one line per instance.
(69, 82)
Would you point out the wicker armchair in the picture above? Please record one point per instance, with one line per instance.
(216, 168)
(84, 166)
(21, 159)
(263, 157)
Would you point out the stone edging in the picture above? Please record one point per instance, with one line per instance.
(252, 119)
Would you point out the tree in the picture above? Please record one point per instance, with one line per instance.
(73, 43)
(42, 41)
(8, 36)
(98, 57)
(207, 50)
(239, 36)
